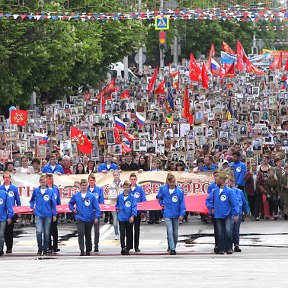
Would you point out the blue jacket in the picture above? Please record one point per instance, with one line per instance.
(243, 204)
(205, 168)
(174, 204)
(211, 187)
(86, 209)
(43, 205)
(239, 172)
(5, 206)
(127, 208)
(103, 166)
(225, 204)
(13, 194)
(98, 192)
(48, 169)
(139, 196)
(56, 194)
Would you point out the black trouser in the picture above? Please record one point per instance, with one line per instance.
(154, 216)
(53, 235)
(8, 234)
(84, 230)
(126, 230)
(70, 216)
(136, 224)
(254, 204)
(273, 204)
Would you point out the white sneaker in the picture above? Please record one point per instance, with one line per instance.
(116, 237)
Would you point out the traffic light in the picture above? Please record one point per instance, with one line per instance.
(162, 40)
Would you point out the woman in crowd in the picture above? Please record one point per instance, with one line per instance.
(143, 163)
(25, 167)
(90, 167)
(80, 169)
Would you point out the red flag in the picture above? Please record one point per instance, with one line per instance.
(250, 68)
(110, 87)
(204, 77)
(19, 117)
(211, 55)
(277, 62)
(226, 48)
(286, 66)
(161, 88)
(241, 57)
(125, 95)
(230, 72)
(125, 148)
(129, 136)
(83, 143)
(152, 81)
(195, 72)
(186, 110)
(117, 136)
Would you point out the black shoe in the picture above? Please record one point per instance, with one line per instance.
(285, 216)
(82, 253)
(173, 252)
(105, 220)
(157, 222)
(137, 250)
(229, 251)
(127, 252)
(216, 250)
(9, 251)
(168, 250)
(39, 253)
(1, 253)
(87, 253)
(49, 251)
(257, 219)
(44, 253)
(150, 222)
(55, 250)
(221, 252)
(237, 249)
(123, 252)
(96, 249)
(110, 221)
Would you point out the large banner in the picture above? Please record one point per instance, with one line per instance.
(193, 184)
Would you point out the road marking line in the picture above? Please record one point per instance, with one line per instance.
(106, 234)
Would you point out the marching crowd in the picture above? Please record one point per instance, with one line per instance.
(237, 130)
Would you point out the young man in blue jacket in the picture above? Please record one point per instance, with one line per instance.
(239, 169)
(87, 212)
(6, 215)
(223, 204)
(52, 166)
(126, 207)
(108, 166)
(43, 204)
(14, 198)
(98, 192)
(139, 195)
(243, 211)
(172, 200)
(54, 225)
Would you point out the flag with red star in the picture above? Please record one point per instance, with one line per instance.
(19, 117)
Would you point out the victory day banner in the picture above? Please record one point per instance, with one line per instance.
(194, 186)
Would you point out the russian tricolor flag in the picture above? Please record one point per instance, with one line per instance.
(140, 119)
(215, 67)
(120, 124)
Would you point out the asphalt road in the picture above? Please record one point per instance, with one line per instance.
(262, 262)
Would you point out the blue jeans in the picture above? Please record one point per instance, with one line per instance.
(224, 233)
(115, 222)
(43, 225)
(236, 231)
(172, 225)
(2, 230)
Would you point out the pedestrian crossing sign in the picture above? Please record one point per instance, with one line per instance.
(162, 23)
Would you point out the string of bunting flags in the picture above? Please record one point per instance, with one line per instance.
(243, 14)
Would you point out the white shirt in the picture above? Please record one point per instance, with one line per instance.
(133, 188)
(220, 190)
(171, 191)
(125, 197)
(53, 167)
(83, 195)
(91, 189)
(42, 191)
(7, 187)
